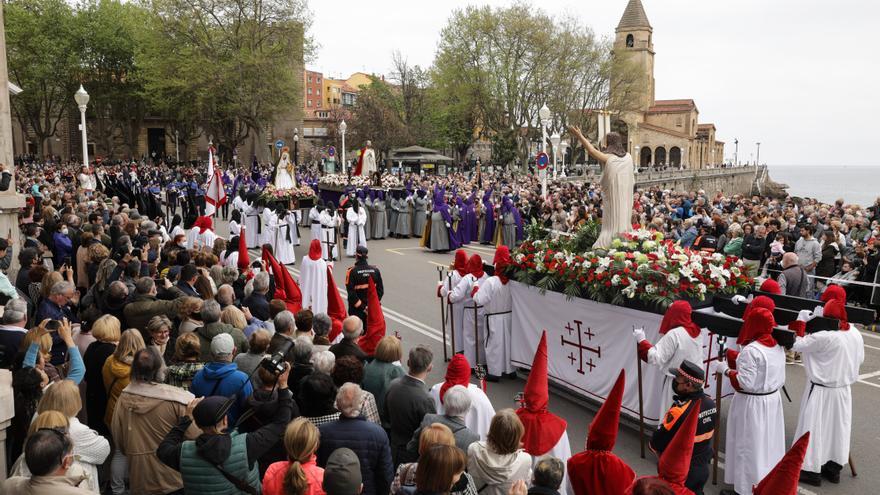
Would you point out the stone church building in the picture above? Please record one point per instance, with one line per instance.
(659, 132)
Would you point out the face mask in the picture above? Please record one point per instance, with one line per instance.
(64, 231)
(675, 390)
(181, 244)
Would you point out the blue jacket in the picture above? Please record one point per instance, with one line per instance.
(63, 248)
(223, 379)
(369, 441)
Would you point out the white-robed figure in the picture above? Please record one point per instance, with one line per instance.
(205, 235)
(192, 233)
(356, 216)
(293, 219)
(239, 203)
(235, 223)
(479, 416)
(313, 279)
(494, 296)
(444, 288)
(284, 171)
(330, 221)
(252, 222)
(269, 220)
(755, 421)
(545, 433)
(680, 339)
(831, 360)
(315, 221)
(283, 244)
(473, 331)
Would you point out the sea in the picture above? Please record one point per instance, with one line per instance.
(854, 184)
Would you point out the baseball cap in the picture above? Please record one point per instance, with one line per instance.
(342, 473)
(362, 250)
(211, 410)
(690, 371)
(222, 344)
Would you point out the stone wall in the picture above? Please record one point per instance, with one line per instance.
(730, 181)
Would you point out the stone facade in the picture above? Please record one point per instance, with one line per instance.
(659, 133)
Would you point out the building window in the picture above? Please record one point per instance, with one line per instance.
(310, 79)
(630, 41)
(319, 91)
(310, 90)
(318, 102)
(678, 122)
(319, 80)
(309, 103)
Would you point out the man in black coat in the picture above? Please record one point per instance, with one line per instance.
(357, 283)
(352, 327)
(407, 402)
(188, 275)
(258, 301)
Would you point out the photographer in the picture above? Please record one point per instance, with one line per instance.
(60, 305)
(219, 461)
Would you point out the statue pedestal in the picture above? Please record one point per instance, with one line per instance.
(10, 204)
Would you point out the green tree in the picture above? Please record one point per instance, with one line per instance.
(41, 43)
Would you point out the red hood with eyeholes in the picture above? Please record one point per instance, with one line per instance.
(475, 266)
(461, 259)
(315, 250)
(679, 315)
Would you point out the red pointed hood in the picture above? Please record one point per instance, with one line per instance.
(771, 286)
(602, 434)
(457, 373)
(679, 315)
(675, 462)
(315, 250)
(275, 270)
(783, 478)
(758, 326)
(205, 224)
(335, 307)
(502, 261)
(543, 429)
(461, 260)
(835, 309)
(834, 292)
(475, 265)
(244, 258)
(746, 335)
(375, 321)
(286, 288)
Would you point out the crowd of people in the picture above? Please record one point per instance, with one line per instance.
(150, 355)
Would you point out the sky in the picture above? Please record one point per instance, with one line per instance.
(798, 76)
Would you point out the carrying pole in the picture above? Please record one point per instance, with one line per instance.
(716, 441)
(641, 407)
(443, 316)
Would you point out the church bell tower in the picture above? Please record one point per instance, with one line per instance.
(633, 41)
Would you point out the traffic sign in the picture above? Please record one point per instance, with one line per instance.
(542, 160)
(279, 144)
(331, 151)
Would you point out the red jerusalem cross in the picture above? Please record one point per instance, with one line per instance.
(580, 346)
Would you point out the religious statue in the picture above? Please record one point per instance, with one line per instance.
(367, 161)
(284, 172)
(617, 185)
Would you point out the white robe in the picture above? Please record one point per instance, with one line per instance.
(313, 284)
(497, 305)
(191, 235)
(755, 423)
(176, 231)
(831, 360)
(234, 228)
(329, 224)
(252, 222)
(356, 235)
(270, 226)
(479, 417)
(205, 240)
(472, 341)
(284, 252)
(293, 219)
(674, 346)
(456, 320)
(231, 258)
(315, 224)
(617, 199)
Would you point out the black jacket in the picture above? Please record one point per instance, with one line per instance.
(258, 304)
(753, 248)
(357, 284)
(406, 404)
(188, 290)
(369, 442)
(347, 347)
(216, 448)
(674, 418)
(262, 408)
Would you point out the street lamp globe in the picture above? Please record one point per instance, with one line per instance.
(544, 113)
(343, 126)
(554, 140)
(81, 97)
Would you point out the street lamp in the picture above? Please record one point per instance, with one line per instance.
(342, 128)
(176, 147)
(554, 140)
(295, 147)
(563, 147)
(544, 115)
(82, 99)
(758, 158)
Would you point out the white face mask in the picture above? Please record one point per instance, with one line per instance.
(64, 231)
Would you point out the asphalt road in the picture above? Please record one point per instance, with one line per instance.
(411, 308)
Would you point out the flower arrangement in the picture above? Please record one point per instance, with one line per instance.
(391, 181)
(299, 193)
(339, 181)
(640, 265)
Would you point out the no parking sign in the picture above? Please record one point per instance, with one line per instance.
(542, 161)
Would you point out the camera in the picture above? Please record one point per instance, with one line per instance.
(53, 325)
(276, 363)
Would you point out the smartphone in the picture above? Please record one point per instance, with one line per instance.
(67, 261)
(53, 325)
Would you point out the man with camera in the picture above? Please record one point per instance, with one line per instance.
(221, 461)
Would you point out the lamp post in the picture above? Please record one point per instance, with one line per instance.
(82, 99)
(563, 147)
(554, 140)
(342, 128)
(736, 152)
(544, 115)
(295, 147)
(758, 158)
(638, 159)
(176, 147)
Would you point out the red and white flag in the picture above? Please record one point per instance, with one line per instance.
(215, 195)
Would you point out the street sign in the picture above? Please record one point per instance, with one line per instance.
(331, 151)
(279, 144)
(542, 161)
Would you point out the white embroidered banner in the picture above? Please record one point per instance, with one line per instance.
(588, 343)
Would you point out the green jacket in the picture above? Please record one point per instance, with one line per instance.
(378, 375)
(202, 478)
(211, 330)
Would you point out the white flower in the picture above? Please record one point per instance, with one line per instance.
(539, 267)
(604, 262)
(651, 289)
(615, 280)
(520, 258)
(701, 288)
(673, 279)
(586, 264)
(559, 256)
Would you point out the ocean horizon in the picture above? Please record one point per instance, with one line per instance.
(855, 184)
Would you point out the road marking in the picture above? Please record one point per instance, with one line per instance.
(870, 335)
(395, 252)
(869, 375)
(438, 264)
(872, 347)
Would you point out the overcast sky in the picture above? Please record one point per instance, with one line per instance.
(800, 76)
